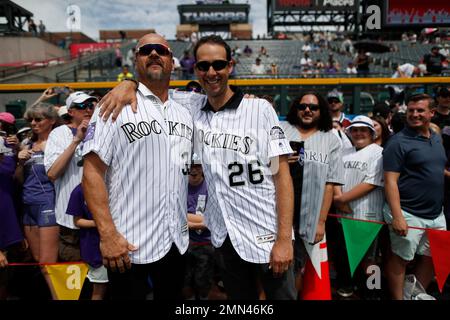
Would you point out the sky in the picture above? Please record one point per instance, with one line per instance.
(161, 15)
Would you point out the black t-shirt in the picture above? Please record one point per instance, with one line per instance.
(441, 120)
(434, 63)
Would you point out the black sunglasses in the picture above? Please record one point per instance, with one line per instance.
(311, 106)
(83, 106)
(331, 101)
(216, 64)
(35, 119)
(160, 49)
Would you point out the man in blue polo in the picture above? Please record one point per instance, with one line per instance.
(414, 162)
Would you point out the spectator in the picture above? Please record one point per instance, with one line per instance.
(130, 57)
(434, 61)
(89, 243)
(319, 65)
(32, 27)
(119, 57)
(200, 254)
(62, 162)
(274, 69)
(351, 69)
(361, 196)
(177, 70)
(442, 113)
(306, 47)
(306, 61)
(308, 129)
(381, 109)
(187, 66)
(445, 51)
(362, 63)
(407, 70)
(39, 220)
(263, 52)
(248, 51)
(41, 27)
(347, 46)
(10, 231)
(382, 132)
(258, 68)
(335, 100)
(414, 157)
(125, 74)
(194, 86)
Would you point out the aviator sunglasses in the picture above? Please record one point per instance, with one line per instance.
(311, 106)
(160, 49)
(216, 64)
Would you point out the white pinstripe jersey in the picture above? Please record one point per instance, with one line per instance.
(365, 166)
(147, 154)
(58, 141)
(235, 146)
(322, 164)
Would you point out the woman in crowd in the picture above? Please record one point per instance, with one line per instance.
(39, 220)
(382, 132)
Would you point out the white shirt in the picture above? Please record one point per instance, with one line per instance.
(258, 69)
(58, 141)
(365, 166)
(235, 146)
(147, 155)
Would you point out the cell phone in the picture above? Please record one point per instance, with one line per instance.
(61, 90)
(3, 134)
(296, 146)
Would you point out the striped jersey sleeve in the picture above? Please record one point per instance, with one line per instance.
(100, 138)
(278, 143)
(335, 172)
(374, 173)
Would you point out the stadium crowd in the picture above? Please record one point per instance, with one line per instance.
(390, 165)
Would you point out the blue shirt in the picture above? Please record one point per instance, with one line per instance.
(420, 162)
(89, 237)
(37, 187)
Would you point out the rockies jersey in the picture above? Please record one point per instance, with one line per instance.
(365, 166)
(235, 145)
(147, 154)
(322, 164)
(58, 141)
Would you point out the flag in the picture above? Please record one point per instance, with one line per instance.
(67, 279)
(440, 254)
(316, 279)
(358, 235)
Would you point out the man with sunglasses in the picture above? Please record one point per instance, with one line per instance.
(240, 142)
(61, 160)
(140, 208)
(336, 102)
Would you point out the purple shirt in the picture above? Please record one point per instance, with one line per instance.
(89, 237)
(37, 188)
(197, 197)
(10, 231)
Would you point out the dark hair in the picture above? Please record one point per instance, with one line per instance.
(385, 133)
(193, 86)
(398, 121)
(325, 120)
(214, 39)
(419, 97)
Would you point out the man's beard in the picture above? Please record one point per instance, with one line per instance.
(311, 125)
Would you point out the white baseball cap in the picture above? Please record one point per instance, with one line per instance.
(62, 111)
(362, 121)
(78, 97)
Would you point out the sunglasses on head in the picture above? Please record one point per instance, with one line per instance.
(216, 64)
(83, 105)
(160, 49)
(311, 106)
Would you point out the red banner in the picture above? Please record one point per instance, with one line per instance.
(77, 49)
